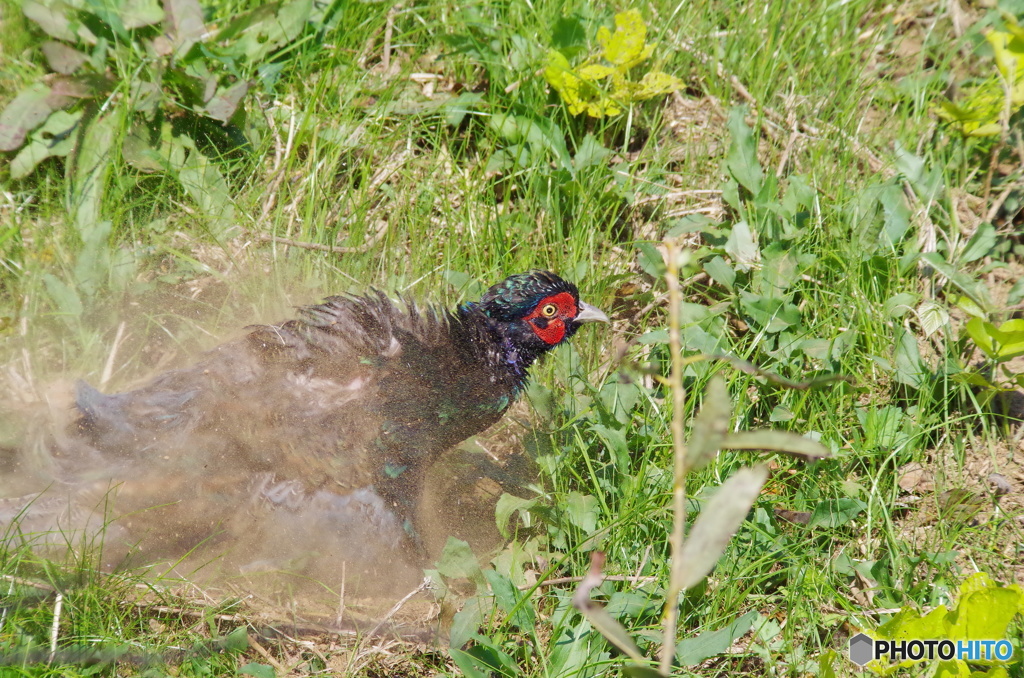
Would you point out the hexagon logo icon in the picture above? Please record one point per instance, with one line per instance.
(862, 649)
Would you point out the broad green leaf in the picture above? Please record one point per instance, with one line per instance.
(92, 263)
(779, 268)
(980, 244)
(62, 58)
(590, 153)
(999, 343)
(1008, 339)
(897, 305)
(966, 304)
(506, 506)
(55, 138)
(205, 184)
(185, 24)
(786, 442)
(710, 426)
(485, 656)
(53, 17)
(980, 333)
(265, 29)
(650, 260)
(742, 246)
(513, 603)
(458, 562)
(692, 651)
(237, 640)
(583, 511)
(68, 302)
(975, 379)
(466, 622)
(835, 512)
(615, 440)
(910, 368)
(92, 165)
(926, 181)
(225, 102)
(717, 523)
(626, 47)
(741, 159)
(721, 272)
(896, 213)
(257, 670)
(139, 13)
(962, 281)
(28, 110)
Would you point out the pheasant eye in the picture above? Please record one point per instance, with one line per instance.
(549, 310)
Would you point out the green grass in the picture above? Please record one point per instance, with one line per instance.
(392, 165)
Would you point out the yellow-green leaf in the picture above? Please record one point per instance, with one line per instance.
(594, 72)
(626, 47)
(656, 83)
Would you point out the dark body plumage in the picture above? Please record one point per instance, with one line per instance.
(318, 428)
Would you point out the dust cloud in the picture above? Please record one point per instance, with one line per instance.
(195, 511)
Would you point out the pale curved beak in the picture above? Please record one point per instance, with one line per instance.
(591, 314)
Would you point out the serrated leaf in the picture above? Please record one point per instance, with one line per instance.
(717, 523)
(626, 47)
(66, 298)
(932, 316)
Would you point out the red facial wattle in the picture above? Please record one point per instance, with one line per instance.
(551, 328)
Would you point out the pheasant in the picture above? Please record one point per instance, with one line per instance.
(315, 431)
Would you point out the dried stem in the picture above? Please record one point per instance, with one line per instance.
(676, 538)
